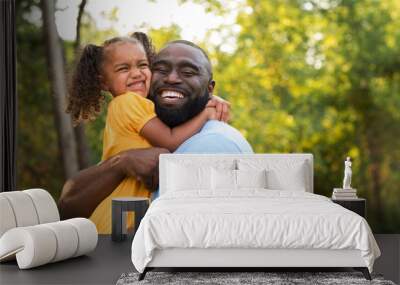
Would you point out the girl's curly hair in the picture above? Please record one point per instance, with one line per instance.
(85, 96)
(147, 45)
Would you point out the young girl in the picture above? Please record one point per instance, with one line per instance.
(121, 67)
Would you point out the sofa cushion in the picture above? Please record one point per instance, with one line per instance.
(44, 243)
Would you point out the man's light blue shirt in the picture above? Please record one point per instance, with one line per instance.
(214, 137)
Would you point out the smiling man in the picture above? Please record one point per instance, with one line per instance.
(182, 82)
(181, 86)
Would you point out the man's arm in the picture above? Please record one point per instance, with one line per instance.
(84, 192)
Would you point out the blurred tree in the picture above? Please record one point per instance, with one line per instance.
(38, 156)
(55, 61)
(38, 159)
(83, 150)
(319, 77)
(164, 35)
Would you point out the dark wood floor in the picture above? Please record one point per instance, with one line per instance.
(110, 260)
(389, 262)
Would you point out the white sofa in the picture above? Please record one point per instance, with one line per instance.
(222, 179)
(31, 231)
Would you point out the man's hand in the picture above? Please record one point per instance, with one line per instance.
(222, 107)
(140, 163)
(151, 182)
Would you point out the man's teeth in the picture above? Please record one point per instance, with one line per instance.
(171, 94)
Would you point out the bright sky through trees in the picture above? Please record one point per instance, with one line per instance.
(193, 19)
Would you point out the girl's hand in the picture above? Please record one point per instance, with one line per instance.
(222, 107)
(212, 113)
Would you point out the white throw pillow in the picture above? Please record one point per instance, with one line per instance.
(281, 174)
(181, 177)
(223, 179)
(208, 160)
(251, 178)
(293, 179)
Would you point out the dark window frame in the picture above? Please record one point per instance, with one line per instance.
(8, 96)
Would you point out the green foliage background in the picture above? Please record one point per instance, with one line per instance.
(305, 76)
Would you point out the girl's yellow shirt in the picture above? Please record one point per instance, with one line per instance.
(126, 116)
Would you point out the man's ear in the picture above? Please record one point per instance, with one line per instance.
(211, 86)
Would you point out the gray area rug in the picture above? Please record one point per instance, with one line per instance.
(228, 278)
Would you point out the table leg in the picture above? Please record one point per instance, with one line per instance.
(117, 222)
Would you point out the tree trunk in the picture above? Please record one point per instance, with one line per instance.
(370, 118)
(374, 169)
(376, 186)
(54, 55)
(80, 135)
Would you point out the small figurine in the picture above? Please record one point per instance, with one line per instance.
(347, 174)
